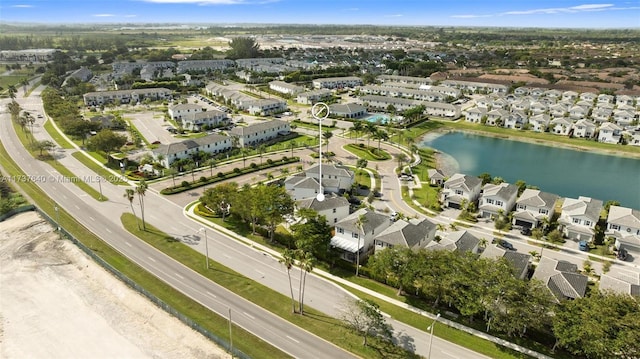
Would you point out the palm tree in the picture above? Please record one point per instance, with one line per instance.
(24, 84)
(292, 145)
(129, 194)
(141, 190)
(288, 260)
(244, 151)
(12, 92)
(380, 135)
(261, 149)
(211, 162)
(357, 128)
(307, 262)
(371, 129)
(360, 224)
(327, 134)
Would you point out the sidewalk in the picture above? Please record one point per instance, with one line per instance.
(189, 213)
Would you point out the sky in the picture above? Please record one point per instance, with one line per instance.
(495, 13)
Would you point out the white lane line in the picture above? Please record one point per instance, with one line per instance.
(293, 339)
(108, 230)
(447, 354)
(226, 256)
(179, 276)
(151, 259)
(249, 315)
(75, 205)
(129, 244)
(262, 274)
(92, 219)
(211, 294)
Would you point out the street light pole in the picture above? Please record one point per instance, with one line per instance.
(431, 335)
(100, 186)
(206, 245)
(230, 335)
(320, 111)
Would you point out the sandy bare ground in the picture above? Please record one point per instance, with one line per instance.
(57, 303)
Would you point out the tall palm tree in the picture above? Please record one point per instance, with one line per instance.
(141, 190)
(12, 92)
(292, 145)
(357, 128)
(307, 263)
(244, 151)
(288, 259)
(380, 135)
(371, 129)
(129, 194)
(362, 219)
(327, 134)
(261, 149)
(211, 162)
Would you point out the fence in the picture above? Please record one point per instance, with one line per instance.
(132, 284)
(13, 212)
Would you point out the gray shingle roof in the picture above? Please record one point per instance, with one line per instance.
(328, 203)
(406, 234)
(372, 221)
(459, 180)
(534, 197)
(256, 127)
(189, 144)
(562, 278)
(624, 216)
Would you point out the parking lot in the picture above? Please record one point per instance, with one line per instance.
(151, 126)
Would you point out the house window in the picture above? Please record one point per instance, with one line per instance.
(520, 206)
(335, 220)
(498, 203)
(587, 223)
(543, 211)
(615, 227)
(354, 235)
(576, 220)
(489, 200)
(334, 210)
(340, 230)
(459, 192)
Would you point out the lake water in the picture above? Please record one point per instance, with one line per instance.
(565, 172)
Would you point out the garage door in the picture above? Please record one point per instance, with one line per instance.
(522, 223)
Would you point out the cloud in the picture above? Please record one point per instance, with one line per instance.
(22, 6)
(394, 15)
(213, 2)
(103, 15)
(552, 10)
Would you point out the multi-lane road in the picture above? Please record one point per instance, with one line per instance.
(102, 218)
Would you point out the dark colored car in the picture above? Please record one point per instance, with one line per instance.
(506, 245)
(622, 254)
(525, 231)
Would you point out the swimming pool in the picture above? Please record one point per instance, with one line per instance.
(378, 118)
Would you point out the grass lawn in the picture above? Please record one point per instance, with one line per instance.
(328, 328)
(61, 141)
(368, 153)
(101, 171)
(62, 170)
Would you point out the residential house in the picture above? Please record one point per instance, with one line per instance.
(569, 96)
(497, 198)
(624, 224)
(578, 112)
(125, 96)
(460, 241)
(335, 178)
(475, 114)
(355, 234)
(627, 282)
(177, 111)
(82, 74)
(584, 129)
(587, 105)
(561, 126)
(260, 132)
(553, 94)
(624, 100)
(266, 106)
(333, 208)
(382, 102)
(436, 177)
(301, 187)
(441, 109)
(538, 108)
(516, 120)
(484, 102)
(604, 98)
(601, 115)
(558, 110)
(633, 137)
(195, 121)
(623, 118)
(285, 87)
(588, 96)
(459, 189)
(497, 117)
(500, 104)
(312, 97)
(349, 110)
(562, 278)
(404, 79)
(203, 65)
(521, 105)
(412, 233)
(579, 217)
(609, 132)
(212, 144)
(539, 123)
(520, 262)
(533, 207)
(337, 82)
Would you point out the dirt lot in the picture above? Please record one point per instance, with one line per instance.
(57, 303)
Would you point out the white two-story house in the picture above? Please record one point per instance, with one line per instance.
(533, 207)
(459, 189)
(354, 234)
(412, 233)
(260, 132)
(624, 224)
(212, 144)
(495, 199)
(579, 217)
(609, 132)
(333, 208)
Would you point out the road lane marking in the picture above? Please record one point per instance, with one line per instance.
(92, 219)
(249, 315)
(151, 259)
(262, 274)
(293, 339)
(108, 230)
(129, 244)
(75, 205)
(211, 294)
(179, 276)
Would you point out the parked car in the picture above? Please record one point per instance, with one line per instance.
(583, 246)
(525, 231)
(622, 254)
(506, 245)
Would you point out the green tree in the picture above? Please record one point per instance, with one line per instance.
(243, 48)
(366, 319)
(600, 325)
(288, 259)
(130, 194)
(485, 177)
(276, 204)
(312, 234)
(220, 198)
(357, 128)
(306, 262)
(380, 135)
(327, 134)
(141, 190)
(393, 266)
(44, 145)
(80, 128)
(107, 141)
(371, 129)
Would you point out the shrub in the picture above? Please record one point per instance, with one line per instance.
(361, 145)
(203, 179)
(253, 165)
(236, 170)
(185, 184)
(220, 175)
(285, 158)
(269, 161)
